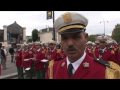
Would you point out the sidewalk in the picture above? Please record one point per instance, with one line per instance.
(11, 68)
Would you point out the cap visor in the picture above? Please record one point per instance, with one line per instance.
(71, 31)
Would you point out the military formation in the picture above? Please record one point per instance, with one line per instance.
(73, 58)
(32, 59)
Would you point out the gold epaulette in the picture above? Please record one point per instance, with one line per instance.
(112, 72)
(50, 67)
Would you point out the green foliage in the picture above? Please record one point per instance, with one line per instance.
(35, 35)
(116, 33)
(29, 41)
(92, 38)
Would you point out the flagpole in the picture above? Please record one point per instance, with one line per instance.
(53, 28)
(104, 24)
(50, 15)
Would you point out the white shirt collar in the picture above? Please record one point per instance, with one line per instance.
(77, 63)
(103, 49)
(38, 49)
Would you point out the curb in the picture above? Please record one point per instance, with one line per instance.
(13, 75)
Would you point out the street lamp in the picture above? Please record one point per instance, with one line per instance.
(104, 25)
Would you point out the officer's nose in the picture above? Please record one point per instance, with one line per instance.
(70, 42)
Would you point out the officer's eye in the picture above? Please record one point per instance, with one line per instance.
(64, 37)
(76, 36)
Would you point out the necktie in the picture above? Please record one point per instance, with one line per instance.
(70, 68)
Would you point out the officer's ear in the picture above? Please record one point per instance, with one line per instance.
(61, 45)
(86, 36)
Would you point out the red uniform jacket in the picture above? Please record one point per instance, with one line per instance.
(38, 57)
(89, 52)
(51, 54)
(94, 71)
(30, 53)
(60, 55)
(56, 55)
(18, 58)
(107, 55)
(117, 56)
(27, 63)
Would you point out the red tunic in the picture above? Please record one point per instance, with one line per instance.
(107, 55)
(18, 58)
(56, 55)
(51, 54)
(117, 56)
(26, 63)
(89, 52)
(94, 71)
(60, 55)
(38, 57)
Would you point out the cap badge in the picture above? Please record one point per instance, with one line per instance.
(67, 18)
(85, 64)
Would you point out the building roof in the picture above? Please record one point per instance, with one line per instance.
(15, 28)
(46, 30)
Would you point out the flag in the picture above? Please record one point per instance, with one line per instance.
(49, 14)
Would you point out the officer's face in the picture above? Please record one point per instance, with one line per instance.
(74, 45)
(89, 45)
(102, 45)
(18, 47)
(51, 46)
(25, 47)
(38, 46)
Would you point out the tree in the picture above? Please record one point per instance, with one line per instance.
(116, 33)
(35, 35)
(29, 41)
(92, 38)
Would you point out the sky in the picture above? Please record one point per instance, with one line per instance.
(37, 20)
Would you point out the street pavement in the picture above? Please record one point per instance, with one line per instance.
(11, 67)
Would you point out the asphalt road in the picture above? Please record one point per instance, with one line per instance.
(11, 67)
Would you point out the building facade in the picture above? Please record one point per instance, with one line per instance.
(13, 33)
(46, 35)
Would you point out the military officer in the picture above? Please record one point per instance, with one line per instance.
(117, 54)
(78, 64)
(18, 58)
(51, 53)
(90, 48)
(39, 66)
(103, 52)
(27, 61)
